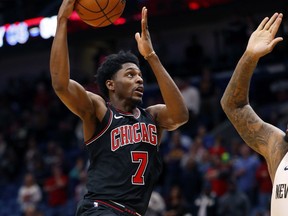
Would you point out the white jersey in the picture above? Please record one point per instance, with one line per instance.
(279, 199)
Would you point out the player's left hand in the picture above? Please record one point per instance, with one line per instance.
(145, 46)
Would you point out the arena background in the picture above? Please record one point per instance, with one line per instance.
(199, 42)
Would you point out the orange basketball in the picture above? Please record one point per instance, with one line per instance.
(99, 13)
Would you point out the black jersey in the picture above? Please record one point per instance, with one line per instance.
(124, 159)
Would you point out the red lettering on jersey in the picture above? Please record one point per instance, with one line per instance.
(152, 134)
(130, 134)
(144, 132)
(115, 142)
(124, 135)
(136, 133)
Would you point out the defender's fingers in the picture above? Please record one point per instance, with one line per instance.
(275, 26)
(276, 41)
(271, 21)
(262, 24)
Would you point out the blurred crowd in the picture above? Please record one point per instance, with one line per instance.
(43, 160)
(206, 170)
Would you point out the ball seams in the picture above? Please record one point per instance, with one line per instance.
(108, 17)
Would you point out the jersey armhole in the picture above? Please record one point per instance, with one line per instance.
(105, 124)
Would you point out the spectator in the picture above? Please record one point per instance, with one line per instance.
(56, 189)
(234, 202)
(192, 179)
(76, 173)
(217, 175)
(264, 187)
(192, 100)
(156, 205)
(206, 203)
(244, 169)
(209, 108)
(53, 154)
(31, 155)
(80, 188)
(173, 159)
(176, 205)
(29, 194)
(217, 148)
(207, 139)
(200, 154)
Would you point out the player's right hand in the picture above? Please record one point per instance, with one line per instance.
(66, 9)
(262, 41)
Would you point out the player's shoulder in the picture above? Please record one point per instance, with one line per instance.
(154, 109)
(95, 97)
(276, 146)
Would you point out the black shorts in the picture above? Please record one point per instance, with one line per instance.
(88, 207)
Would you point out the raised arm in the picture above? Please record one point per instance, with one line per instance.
(84, 104)
(260, 136)
(174, 112)
(71, 93)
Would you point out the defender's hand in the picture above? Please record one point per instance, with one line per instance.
(262, 41)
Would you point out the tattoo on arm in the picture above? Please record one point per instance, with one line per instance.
(251, 128)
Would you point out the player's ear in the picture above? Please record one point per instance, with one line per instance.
(110, 85)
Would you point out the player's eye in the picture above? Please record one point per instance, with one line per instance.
(129, 75)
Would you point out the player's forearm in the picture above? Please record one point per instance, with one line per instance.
(236, 94)
(59, 57)
(172, 96)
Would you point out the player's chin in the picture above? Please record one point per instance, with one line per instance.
(137, 100)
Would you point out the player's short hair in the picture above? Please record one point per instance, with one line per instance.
(110, 66)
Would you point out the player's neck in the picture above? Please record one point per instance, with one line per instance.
(125, 107)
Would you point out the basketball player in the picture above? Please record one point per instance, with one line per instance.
(122, 138)
(264, 138)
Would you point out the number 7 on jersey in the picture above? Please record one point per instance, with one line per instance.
(140, 157)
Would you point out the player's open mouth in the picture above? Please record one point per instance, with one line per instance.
(139, 90)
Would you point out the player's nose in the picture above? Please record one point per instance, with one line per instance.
(139, 79)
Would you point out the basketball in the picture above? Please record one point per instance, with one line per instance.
(99, 13)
